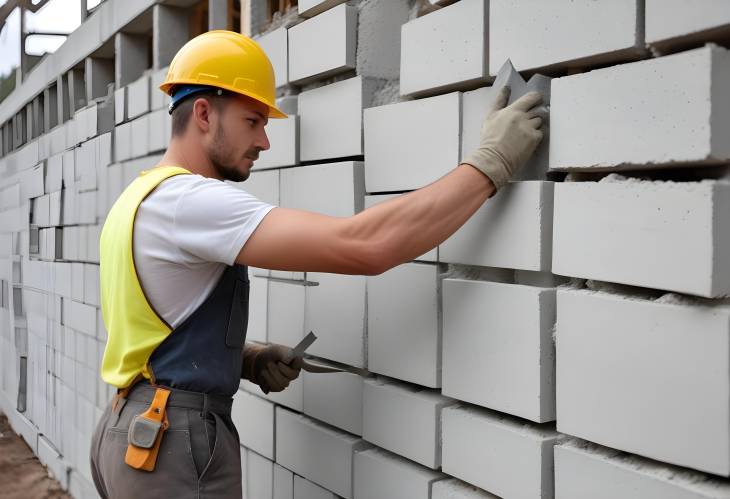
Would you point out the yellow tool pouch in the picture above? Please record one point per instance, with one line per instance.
(145, 433)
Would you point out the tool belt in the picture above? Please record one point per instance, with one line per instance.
(147, 429)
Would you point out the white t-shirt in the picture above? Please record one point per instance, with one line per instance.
(186, 232)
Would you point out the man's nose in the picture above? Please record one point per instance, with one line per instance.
(262, 141)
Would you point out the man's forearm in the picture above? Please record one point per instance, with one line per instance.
(406, 227)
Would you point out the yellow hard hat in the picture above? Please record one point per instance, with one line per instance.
(227, 60)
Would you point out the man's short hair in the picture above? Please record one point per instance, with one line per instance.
(182, 112)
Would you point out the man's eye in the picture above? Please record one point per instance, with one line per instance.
(253, 121)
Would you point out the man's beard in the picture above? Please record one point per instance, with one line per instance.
(223, 160)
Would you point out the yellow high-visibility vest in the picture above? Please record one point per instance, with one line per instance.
(133, 327)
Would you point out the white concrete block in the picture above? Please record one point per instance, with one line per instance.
(498, 348)
(291, 398)
(511, 230)
(254, 420)
(323, 45)
(283, 137)
(672, 24)
(263, 185)
(91, 285)
(500, 455)
(123, 142)
(382, 475)
(335, 399)
(404, 335)
(140, 136)
(335, 311)
(335, 189)
(564, 34)
(258, 303)
(330, 119)
(310, 8)
(635, 232)
(77, 281)
(120, 105)
(673, 110)
(260, 482)
(456, 489)
(285, 320)
(404, 419)
(54, 173)
(158, 98)
(283, 483)
(411, 144)
(445, 48)
(655, 362)
(159, 130)
(316, 452)
(275, 44)
(32, 181)
(304, 489)
(584, 470)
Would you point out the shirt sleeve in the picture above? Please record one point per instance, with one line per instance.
(213, 220)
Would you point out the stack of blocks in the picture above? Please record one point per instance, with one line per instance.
(571, 340)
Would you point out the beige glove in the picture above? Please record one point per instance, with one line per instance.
(508, 137)
(270, 366)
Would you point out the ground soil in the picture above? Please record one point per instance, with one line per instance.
(22, 476)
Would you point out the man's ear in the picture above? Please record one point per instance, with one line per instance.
(201, 114)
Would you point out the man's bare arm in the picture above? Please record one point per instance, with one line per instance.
(373, 241)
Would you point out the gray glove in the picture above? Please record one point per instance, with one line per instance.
(272, 367)
(508, 137)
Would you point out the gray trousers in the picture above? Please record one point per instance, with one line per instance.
(199, 457)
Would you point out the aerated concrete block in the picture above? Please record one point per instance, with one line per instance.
(411, 144)
(283, 483)
(673, 111)
(335, 311)
(445, 49)
(334, 189)
(583, 470)
(550, 35)
(405, 420)
(404, 335)
(324, 45)
(316, 452)
(290, 398)
(330, 119)
(285, 321)
(503, 456)
(511, 230)
(138, 97)
(662, 362)
(335, 399)
(507, 362)
(304, 489)
(635, 232)
(382, 475)
(262, 185)
(254, 420)
(674, 24)
(260, 471)
(310, 8)
(140, 136)
(275, 44)
(283, 136)
(456, 489)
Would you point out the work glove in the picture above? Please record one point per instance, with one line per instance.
(272, 367)
(508, 137)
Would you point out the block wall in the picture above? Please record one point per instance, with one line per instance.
(571, 340)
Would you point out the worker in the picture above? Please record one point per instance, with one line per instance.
(174, 252)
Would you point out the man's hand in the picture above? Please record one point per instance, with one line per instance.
(509, 136)
(270, 366)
